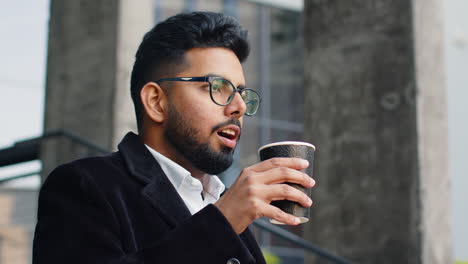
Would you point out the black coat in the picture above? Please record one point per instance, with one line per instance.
(122, 208)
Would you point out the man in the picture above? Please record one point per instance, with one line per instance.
(157, 200)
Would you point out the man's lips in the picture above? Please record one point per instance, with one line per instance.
(229, 135)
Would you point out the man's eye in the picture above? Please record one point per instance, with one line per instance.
(216, 88)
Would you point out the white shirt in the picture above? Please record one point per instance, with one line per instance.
(190, 188)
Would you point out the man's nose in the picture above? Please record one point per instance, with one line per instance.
(236, 108)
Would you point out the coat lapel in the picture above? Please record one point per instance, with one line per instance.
(158, 189)
(160, 192)
(164, 198)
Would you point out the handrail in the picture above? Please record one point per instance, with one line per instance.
(77, 139)
(4, 180)
(29, 148)
(297, 240)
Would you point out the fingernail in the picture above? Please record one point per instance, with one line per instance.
(310, 202)
(305, 163)
(297, 220)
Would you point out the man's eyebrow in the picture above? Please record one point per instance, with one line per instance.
(240, 87)
(213, 75)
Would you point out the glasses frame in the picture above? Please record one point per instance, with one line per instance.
(210, 79)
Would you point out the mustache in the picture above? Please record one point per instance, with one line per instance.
(231, 121)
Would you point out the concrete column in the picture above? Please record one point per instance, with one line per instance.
(90, 56)
(375, 109)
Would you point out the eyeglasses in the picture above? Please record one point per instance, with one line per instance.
(222, 91)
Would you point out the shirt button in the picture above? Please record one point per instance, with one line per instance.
(233, 261)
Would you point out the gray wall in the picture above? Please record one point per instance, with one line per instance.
(375, 104)
(456, 49)
(17, 223)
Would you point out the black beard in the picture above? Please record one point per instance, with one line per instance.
(184, 139)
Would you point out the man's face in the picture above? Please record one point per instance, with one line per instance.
(203, 133)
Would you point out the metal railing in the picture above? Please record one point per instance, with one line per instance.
(16, 177)
(28, 150)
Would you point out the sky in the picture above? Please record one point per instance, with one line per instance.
(22, 52)
(23, 49)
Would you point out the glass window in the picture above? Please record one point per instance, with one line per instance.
(274, 69)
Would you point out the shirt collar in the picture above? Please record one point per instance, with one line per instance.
(181, 178)
(213, 186)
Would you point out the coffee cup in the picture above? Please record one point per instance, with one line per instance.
(291, 149)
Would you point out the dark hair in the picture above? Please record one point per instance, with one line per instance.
(163, 48)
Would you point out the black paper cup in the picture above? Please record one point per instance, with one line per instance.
(291, 149)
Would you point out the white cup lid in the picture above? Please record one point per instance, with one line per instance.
(299, 143)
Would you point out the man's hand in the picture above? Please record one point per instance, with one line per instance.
(250, 196)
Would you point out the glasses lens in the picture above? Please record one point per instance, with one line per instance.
(221, 91)
(252, 101)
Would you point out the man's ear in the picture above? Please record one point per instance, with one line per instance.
(154, 101)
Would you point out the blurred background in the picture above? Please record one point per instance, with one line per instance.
(276, 61)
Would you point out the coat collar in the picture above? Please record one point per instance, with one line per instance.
(158, 189)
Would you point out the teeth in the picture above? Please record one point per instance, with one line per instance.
(229, 132)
